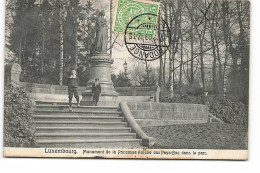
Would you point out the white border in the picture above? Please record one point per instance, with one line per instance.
(98, 165)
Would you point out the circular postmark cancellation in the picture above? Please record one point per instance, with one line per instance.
(147, 39)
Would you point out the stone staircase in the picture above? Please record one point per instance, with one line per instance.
(86, 126)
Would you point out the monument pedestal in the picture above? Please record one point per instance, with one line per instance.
(101, 69)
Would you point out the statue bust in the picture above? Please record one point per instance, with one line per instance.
(101, 39)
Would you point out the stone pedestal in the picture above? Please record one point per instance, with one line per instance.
(101, 69)
(12, 73)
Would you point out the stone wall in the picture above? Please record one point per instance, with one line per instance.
(147, 93)
(157, 114)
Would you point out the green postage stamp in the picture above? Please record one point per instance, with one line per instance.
(126, 10)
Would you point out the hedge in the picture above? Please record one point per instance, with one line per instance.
(19, 129)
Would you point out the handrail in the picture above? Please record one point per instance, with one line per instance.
(146, 140)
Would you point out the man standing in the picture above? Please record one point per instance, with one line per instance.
(96, 90)
(73, 88)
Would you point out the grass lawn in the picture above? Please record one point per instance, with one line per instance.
(199, 136)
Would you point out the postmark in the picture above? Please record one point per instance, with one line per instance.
(126, 10)
(146, 40)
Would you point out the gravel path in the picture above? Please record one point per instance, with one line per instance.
(199, 136)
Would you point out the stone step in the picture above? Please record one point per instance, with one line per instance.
(69, 129)
(76, 118)
(85, 126)
(92, 143)
(79, 112)
(75, 108)
(79, 124)
(83, 136)
(39, 102)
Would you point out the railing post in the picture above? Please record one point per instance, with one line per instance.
(157, 94)
(134, 93)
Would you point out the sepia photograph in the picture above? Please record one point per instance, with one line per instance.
(137, 79)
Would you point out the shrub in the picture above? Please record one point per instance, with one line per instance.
(19, 129)
(183, 98)
(233, 112)
(190, 89)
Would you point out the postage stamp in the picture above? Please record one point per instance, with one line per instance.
(144, 39)
(126, 10)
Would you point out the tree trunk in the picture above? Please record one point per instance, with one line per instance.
(191, 55)
(214, 72)
(165, 55)
(164, 66)
(212, 38)
(161, 60)
(168, 11)
(226, 32)
(24, 62)
(202, 66)
(174, 19)
(110, 33)
(220, 75)
(180, 35)
(181, 63)
(61, 49)
(43, 53)
(76, 44)
(20, 51)
(147, 73)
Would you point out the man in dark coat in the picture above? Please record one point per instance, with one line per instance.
(96, 90)
(73, 83)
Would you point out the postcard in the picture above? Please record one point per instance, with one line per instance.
(137, 79)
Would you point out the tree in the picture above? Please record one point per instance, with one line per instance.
(210, 39)
(44, 36)
(139, 75)
(237, 46)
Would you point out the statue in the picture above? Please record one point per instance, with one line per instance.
(100, 67)
(100, 45)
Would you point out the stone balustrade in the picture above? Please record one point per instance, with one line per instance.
(46, 92)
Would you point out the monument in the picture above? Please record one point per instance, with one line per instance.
(100, 67)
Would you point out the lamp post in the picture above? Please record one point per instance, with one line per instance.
(125, 67)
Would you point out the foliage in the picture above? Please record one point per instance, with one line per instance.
(35, 38)
(34, 41)
(121, 80)
(233, 112)
(191, 89)
(19, 129)
(143, 74)
(180, 98)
